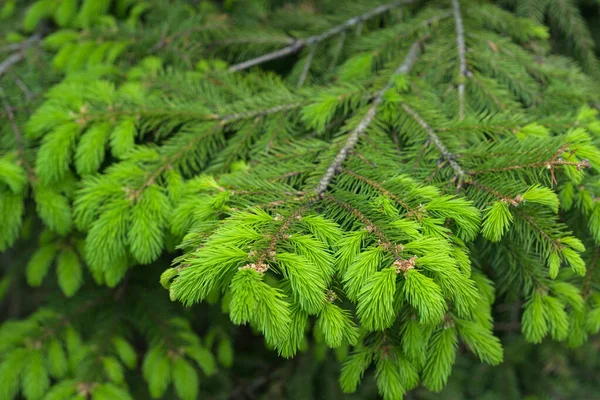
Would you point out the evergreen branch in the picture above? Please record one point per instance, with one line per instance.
(499, 103)
(404, 68)
(280, 234)
(586, 290)
(222, 119)
(370, 226)
(18, 55)
(18, 137)
(169, 160)
(167, 164)
(260, 113)
(544, 164)
(314, 40)
(381, 189)
(435, 139)
(460, 41)
(553, 242)
(64, 321)
(506, 199)
(10, 61)
(338, 50)
(306, 68)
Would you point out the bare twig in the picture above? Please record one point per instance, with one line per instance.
(338, 50)
(464, 72)
(314, 40)
(26, 91)
(434, 139)
(404, 68)
(19, 46)
(18, 55)
(306, 68)
(10, 61)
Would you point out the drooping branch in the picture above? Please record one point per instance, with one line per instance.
(404, 68)
(434, 139)
(464, 72)
(314, 40)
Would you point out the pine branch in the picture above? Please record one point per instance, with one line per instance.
(314, 40)
(434, 139)
(404, 68)
(460, 41)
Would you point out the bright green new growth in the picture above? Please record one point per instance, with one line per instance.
(412, 162)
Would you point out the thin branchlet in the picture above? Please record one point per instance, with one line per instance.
(364, 123)
(462, 59)
(18, 136)
(307, 64)
(314, 40)
(18, 55)
(449, 157)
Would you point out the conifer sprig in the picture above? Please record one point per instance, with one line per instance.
(383, 192)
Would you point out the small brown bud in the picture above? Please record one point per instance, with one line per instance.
(330, 296)
(402, 266)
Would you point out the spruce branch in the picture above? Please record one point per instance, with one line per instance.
(404, 68)
(381, 189)
(464, 73)
(18, 55)
(449, 157)
(18, 136)
(316, 39)
(506, 199)
(10, 61)
(185, 113)
(338, 50)
(370, 226)
(306, 67)
(551, 164)
(586, 290)
(555, 243)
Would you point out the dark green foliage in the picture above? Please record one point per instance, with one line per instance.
(368, 199)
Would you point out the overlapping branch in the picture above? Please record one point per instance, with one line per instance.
(434, 139)
(18, 55)
(342, 155)
(18, 136)
(464, 72)
(314, 40)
